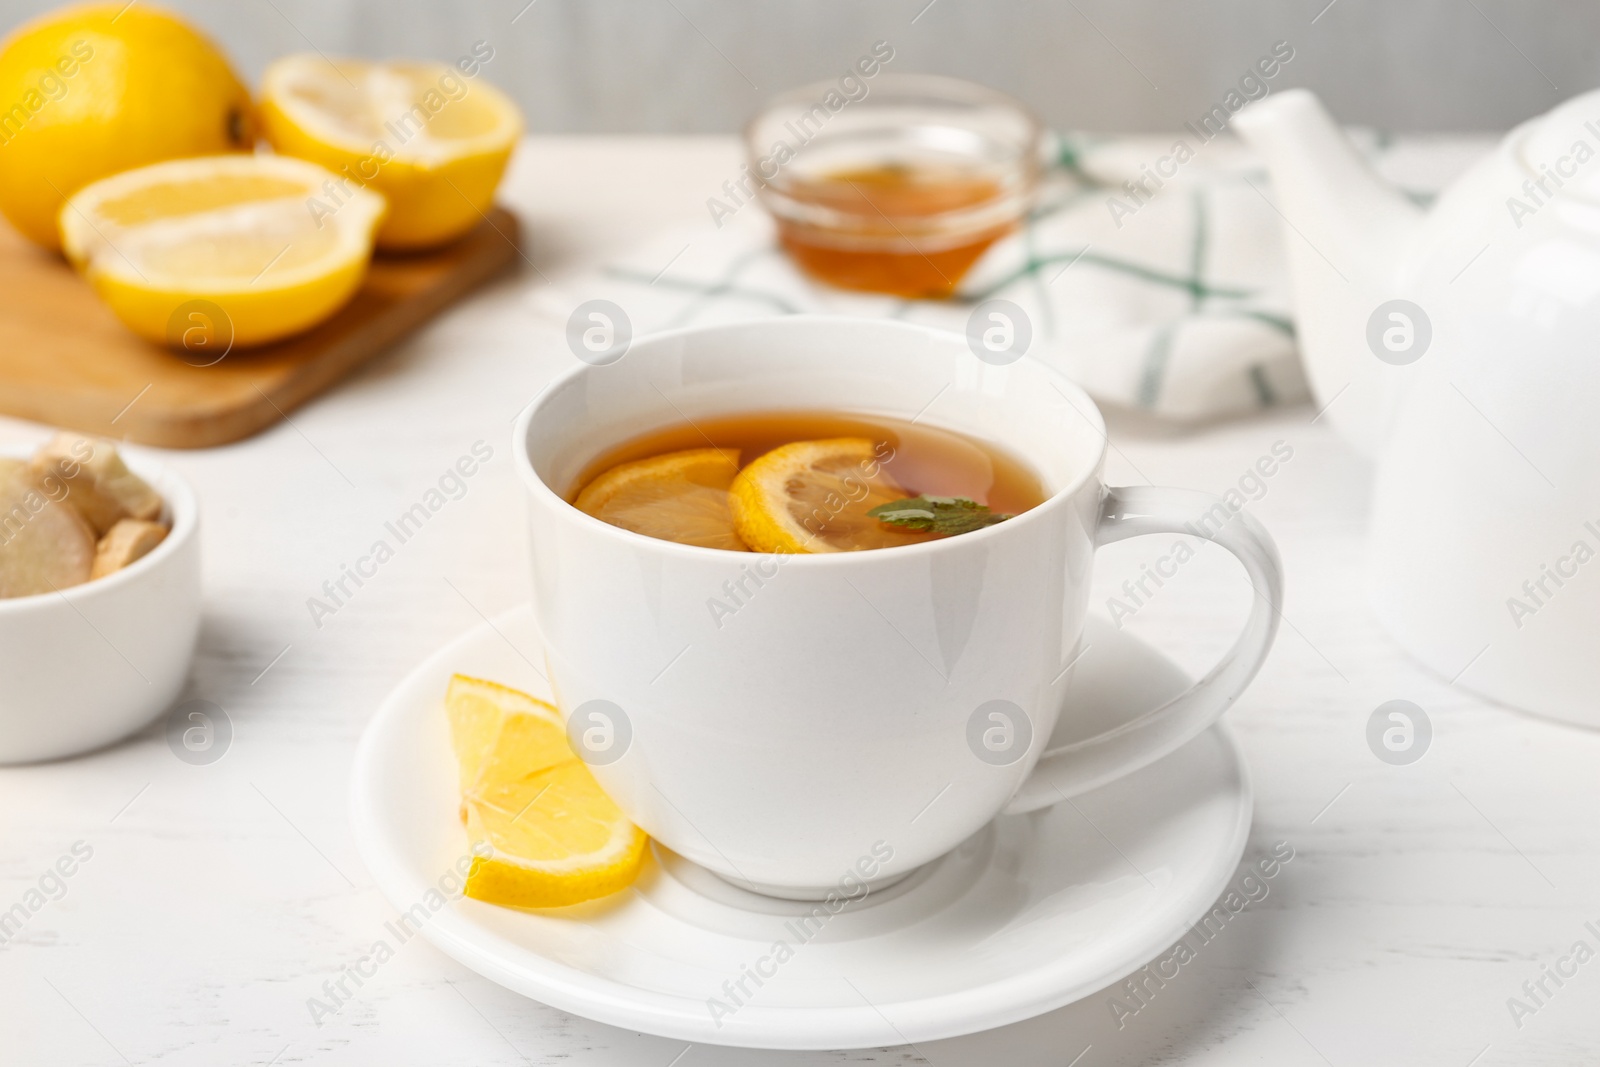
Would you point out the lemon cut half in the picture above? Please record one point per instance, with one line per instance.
(431, 138)
(234, 231)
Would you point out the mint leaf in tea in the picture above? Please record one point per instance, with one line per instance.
(943, 515)
(805, 482)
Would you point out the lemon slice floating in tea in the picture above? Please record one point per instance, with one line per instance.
(232, 231)
(679, 496)
(553, 836)
(430, 139)
(813, 496)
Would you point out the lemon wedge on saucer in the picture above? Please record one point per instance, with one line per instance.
(813, 496)
(433, 140)
(232, 236)
(544, 834)
(679, 496)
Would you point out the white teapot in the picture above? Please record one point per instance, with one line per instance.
(1460, 348)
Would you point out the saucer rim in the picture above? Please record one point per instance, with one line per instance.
(1010, 1000)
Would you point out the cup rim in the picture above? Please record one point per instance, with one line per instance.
(180, 501)
(1058, 499)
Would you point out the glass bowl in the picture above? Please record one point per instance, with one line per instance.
(894, 184)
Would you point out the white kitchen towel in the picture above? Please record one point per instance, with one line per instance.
(1167, 296)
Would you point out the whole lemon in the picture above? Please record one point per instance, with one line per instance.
(93, 90)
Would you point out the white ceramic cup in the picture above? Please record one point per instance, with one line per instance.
(95, 662)
(862, 713)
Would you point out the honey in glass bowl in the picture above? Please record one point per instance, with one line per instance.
(900, 192)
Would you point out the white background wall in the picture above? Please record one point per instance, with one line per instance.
(675, 66)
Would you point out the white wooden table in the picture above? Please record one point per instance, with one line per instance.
(219, 898)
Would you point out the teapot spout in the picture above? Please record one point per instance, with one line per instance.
(1348, 233)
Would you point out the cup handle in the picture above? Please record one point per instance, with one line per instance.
(1076, 768)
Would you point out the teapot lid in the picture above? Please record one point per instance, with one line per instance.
(1562, 147)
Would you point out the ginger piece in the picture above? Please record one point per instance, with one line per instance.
(99, 484)
(128, 540)
(45, 545)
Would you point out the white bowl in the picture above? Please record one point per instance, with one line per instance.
(93, 663)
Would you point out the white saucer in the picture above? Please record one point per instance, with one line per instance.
(1033, 912)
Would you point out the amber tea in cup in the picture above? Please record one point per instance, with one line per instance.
(901, 191)
(805, 482)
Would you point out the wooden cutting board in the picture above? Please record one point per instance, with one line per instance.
(65, 360)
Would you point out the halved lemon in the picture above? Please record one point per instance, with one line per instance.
(430, 138)
(679, 496)
(544, 834)
(813, 496)
(231, 235)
